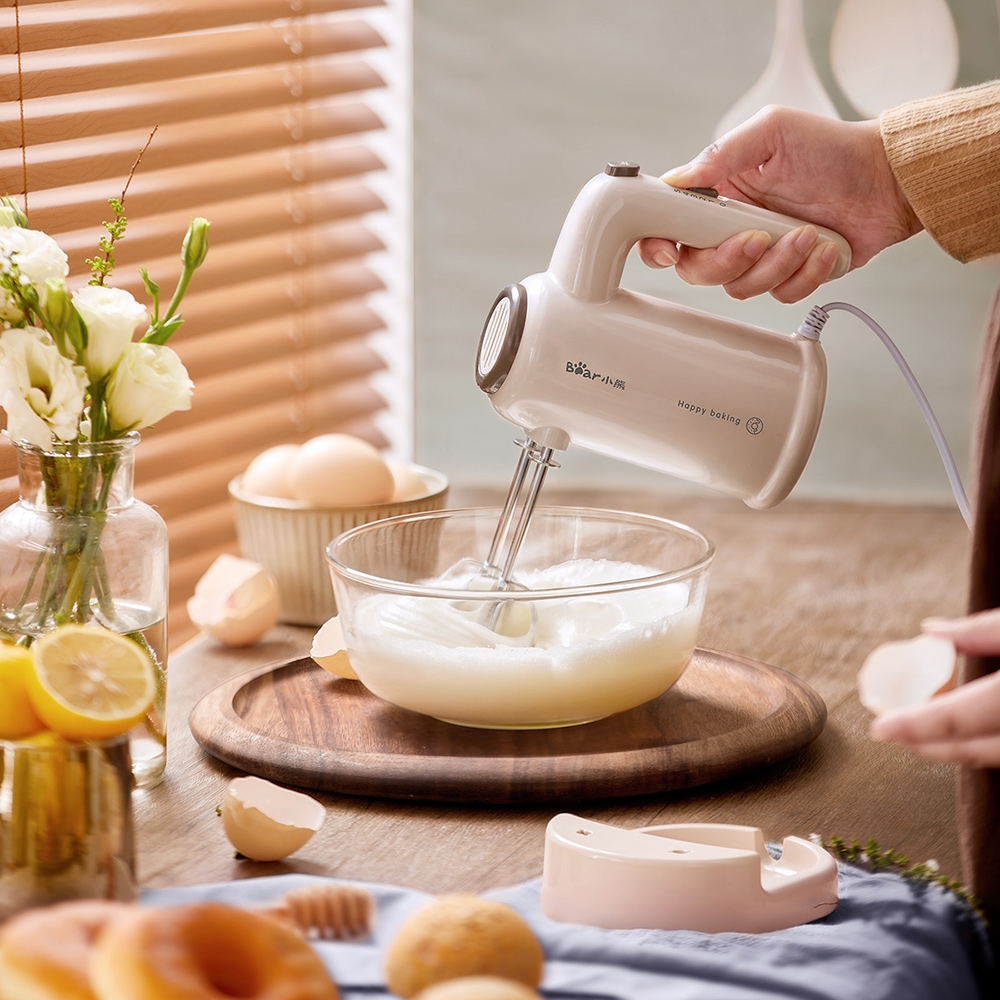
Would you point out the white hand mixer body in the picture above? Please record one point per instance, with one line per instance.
(572, 358)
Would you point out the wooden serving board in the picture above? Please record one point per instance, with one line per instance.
(295, 723)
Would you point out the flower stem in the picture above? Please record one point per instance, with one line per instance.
(95, 511)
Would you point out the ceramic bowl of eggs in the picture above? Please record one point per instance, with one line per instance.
(294, 499)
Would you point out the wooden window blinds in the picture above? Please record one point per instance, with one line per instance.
(286, 124)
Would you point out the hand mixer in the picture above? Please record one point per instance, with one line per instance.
(572, 358)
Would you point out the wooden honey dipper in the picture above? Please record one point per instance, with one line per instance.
(332, 911)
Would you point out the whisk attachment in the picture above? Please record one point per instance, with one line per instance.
(512, 618)
(540, 457)
(333, 911)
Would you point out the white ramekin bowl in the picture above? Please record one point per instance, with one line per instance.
(289, 540)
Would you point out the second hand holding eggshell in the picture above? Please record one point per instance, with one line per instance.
(906, 673)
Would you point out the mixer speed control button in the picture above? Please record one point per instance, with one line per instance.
(704, 192)
(622, 168)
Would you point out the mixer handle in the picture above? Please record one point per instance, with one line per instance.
(618, 208)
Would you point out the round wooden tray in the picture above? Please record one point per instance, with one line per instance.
(295, 723)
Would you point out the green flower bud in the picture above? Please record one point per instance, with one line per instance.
(11, 213)
(56, 304)
(62, 319)
(194, 249)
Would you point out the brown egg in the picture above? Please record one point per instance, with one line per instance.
(338, 470)
(408, 483)
(267, 474)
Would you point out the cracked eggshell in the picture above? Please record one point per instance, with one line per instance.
(328, 650)
(236, 601)
(266, 822)
(907, 673)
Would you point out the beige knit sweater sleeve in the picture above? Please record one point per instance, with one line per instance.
(945, 154)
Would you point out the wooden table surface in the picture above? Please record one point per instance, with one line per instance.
(810, 587)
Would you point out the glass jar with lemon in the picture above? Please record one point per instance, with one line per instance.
(78, 546)
(66, 706)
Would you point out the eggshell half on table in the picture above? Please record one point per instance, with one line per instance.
(328, 650)
(236, 601)
(266, 822)
(906, 673)
(338, 470)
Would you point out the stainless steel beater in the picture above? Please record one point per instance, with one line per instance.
(496, 573)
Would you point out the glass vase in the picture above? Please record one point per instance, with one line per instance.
(66, 829)
(78, 547)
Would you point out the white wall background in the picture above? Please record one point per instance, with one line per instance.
(519, 102)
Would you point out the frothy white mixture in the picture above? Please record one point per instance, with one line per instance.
(584, 658)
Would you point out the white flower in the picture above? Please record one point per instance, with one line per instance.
(32, 257)
(111, 315)
(42, 391)
(36, 254)
(148, 383)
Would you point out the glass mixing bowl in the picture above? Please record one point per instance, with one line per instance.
(608, 618)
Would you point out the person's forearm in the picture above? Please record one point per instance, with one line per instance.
(945, 154)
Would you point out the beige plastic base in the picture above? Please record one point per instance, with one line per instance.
(703, 877)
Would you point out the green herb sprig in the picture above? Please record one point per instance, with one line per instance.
(101, 267)
(876, 858)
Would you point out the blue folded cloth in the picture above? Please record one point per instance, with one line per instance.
(889, 939)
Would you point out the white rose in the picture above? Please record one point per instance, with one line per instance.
(32, 256)
(36, 255)
(42, 391)
(148, 383)
(111, 315)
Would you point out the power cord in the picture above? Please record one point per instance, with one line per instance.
(811, 327)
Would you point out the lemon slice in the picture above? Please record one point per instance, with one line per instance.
(17, 717)
(89, 683)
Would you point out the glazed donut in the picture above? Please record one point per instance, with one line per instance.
(206, 951)
(45, 953)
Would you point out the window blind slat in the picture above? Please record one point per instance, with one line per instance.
(195, 487)
(322, 369)
(250, 431)
(49, 121)
(57, 23)
(86, 205)
(268, 256)
(209, 312)
(273, 338)
(52, 72)
(194, 534)
(156, 236)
